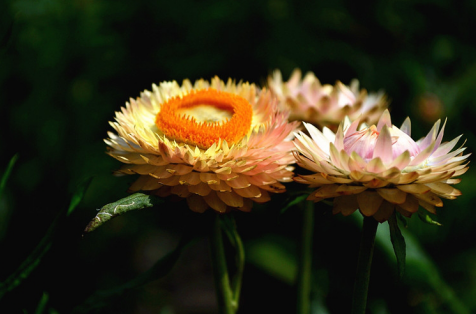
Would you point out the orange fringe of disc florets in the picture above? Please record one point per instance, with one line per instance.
(186, 129)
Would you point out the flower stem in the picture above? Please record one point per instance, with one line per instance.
(364, 262)
(305, 259)
(220, 271)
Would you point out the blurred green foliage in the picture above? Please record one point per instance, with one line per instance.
(66, 66)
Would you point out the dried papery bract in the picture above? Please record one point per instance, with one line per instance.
(216, 144)
(325, 105)
(379, 169)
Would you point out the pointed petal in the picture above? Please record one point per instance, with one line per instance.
(383, 147)
(413, 188)
(430, 198)
(384, 120)
(394, 196)
(376, 166)
(406, 127)
(402, 160)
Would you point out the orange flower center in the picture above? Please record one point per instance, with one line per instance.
(204, 117)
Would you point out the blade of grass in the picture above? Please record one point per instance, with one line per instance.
(32, 261)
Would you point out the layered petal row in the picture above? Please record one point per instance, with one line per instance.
(325, 105)
(218, 145)
(379, 168)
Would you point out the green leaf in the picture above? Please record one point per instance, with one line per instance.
(162, 267)
(423, 215)
(297, 200)
(7, 173)
(398, 243)
(40, 309)
(32, 261)
(78, 195)
(122, 206)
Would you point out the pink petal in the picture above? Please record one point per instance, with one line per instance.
(383, 147)
(406, 127)
(384, 120)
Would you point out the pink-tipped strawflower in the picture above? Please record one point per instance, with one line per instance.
(379, 169)
(325, 105)
(216, 144)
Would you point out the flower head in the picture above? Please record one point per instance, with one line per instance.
(326, 105)
(219, 145)
(379, 169)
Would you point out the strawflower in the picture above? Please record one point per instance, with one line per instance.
(325, 105)
(379, 169)
(218, 145)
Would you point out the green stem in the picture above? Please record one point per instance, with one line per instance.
(305, 259)
(240, 265)
(220, 271)
(364, 262)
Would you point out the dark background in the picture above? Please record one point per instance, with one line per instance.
(67, 66)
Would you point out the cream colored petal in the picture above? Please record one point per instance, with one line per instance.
(197, 203)
(434, 177)
(369, 202)
(443, 189)
(401, 161)
(404, 178)
(376, 166)
(430, 198)
(413, 188)
(394, 196)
